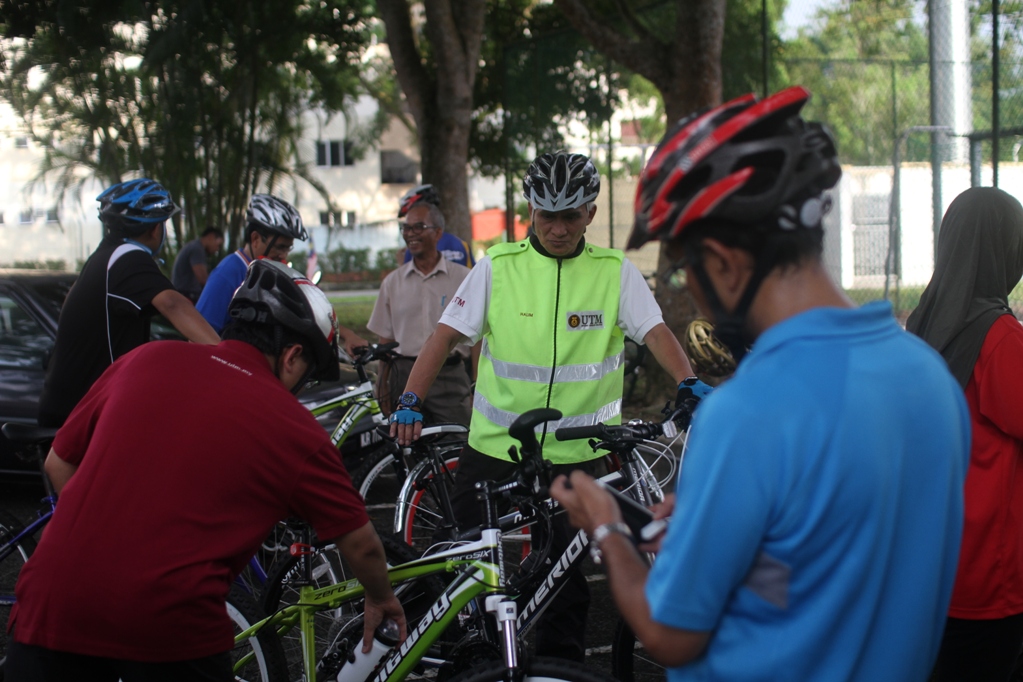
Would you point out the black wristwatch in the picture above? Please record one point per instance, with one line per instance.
(409, 401)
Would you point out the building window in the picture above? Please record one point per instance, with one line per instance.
(328, 219)
(334, 153)
(1, 217)
(27, 217)
(396, 168)
(51, 216)
(349, 219)
(21, 143)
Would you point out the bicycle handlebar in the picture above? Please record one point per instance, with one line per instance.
(623, 432)
(374, 351)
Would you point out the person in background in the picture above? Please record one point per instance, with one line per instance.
(964, 314)
(450, 246)
(120, 288)
(819, 507)
(190, 270)
(411, 301)
(271, 227)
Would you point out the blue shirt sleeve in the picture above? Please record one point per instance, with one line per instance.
(220, 287)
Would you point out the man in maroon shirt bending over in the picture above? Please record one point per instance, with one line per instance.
(155, 521)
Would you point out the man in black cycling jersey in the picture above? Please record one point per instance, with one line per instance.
(108, 309)
(820, 502)
(172, 471)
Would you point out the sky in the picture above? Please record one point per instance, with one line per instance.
(800, 13)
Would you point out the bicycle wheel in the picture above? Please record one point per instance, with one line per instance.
(267, 662)
(424, 515)
(282, 591)
(629, 660)
(378, 480)
(10, 567)
(536, 670)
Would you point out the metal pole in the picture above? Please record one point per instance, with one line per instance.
(936, 138)
(610, 162)
(995, 77)
(764, 44)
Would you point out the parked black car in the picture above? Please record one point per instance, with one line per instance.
(30, 302)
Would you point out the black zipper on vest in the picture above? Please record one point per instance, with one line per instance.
(554, 360)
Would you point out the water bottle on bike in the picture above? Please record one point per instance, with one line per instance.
(359, 665)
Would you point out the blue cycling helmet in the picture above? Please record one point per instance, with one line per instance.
(135, 206)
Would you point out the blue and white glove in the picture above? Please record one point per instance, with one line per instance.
(406, 416)
(690, 392)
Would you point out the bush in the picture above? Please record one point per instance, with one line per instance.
(342, 260)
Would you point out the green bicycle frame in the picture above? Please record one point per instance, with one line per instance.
(478, 576)
(359, 402)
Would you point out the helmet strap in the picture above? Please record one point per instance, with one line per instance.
(730, 327)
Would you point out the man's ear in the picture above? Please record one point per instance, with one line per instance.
(592, 212)
(290, 354)
(728, 268)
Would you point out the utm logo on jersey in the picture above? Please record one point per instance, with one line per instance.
(584, 320)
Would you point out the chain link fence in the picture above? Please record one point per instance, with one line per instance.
(908, 88)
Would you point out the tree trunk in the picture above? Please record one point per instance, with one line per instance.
(439, 93)
(687, 72)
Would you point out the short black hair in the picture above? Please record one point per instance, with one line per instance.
(263, 337)
(213, 230)
(789, 248)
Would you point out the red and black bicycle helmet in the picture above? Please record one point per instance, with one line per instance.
(423, 194)
(748, 162)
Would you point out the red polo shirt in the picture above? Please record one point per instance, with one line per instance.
(187, 455)
(989, 581)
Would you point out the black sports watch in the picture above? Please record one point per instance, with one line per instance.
(409, 401)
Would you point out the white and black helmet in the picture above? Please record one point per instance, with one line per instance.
(560, 181)
(269, 213)
(277, 296)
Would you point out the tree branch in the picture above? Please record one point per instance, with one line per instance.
(646, 58)
(407, 65)
(634, 23)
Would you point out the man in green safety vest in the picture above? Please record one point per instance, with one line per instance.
(552, 312)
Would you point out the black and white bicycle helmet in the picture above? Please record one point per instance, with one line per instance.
(417, 195)
(560, 181)
(135, 206)
(747, 162)
(275, 215)
(275, 295)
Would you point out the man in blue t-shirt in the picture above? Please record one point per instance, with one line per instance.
(451, 247)
(819, 508)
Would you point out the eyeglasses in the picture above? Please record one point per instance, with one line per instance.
(675, 274)
(415, 228)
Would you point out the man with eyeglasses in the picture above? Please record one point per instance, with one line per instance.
(411, 301)
(271, 227)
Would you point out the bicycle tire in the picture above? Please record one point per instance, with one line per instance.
(10, 568)
(536, 670)
(378, 479)
(268, 663)
(629, 661)
(280, 592)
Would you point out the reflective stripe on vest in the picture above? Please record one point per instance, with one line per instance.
(505, 418)
(562, 374)
(552, 341)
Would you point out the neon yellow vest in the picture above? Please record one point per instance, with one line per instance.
(552, 341)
